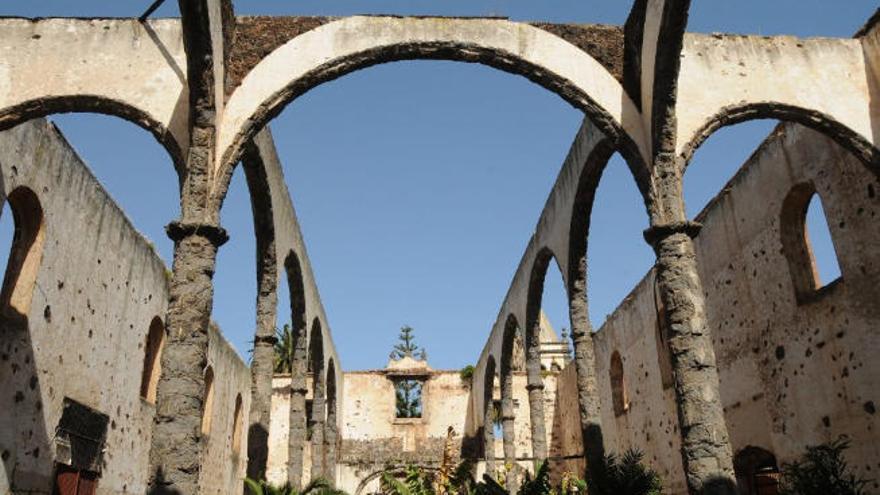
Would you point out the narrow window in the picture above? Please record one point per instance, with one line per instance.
(236, 427)
(207, 413)
(618, 387)
(821, 245)
(806, 242)
(408, 398)
(152, 360)
(25, 254)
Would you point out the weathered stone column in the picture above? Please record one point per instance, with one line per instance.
(585, 364)
(705, 446)
(297, 414)
(507, 416)
(535, 387)
(176, 449)
(489, 436)
(263, 361)
(331, 441)
(319, 412)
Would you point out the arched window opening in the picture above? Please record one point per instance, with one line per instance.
(152, 360)
(664, 359)
(25, 254)
(804, 230)
(208, 411)
(237, 420)
(618, 386)
(818, 235)
(757, 472)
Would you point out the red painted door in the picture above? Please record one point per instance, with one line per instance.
(70, 481)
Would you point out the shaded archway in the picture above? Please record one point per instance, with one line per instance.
(489, 416)
(331, 430)
(318, 415)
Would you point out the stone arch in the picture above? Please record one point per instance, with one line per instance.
(394, 470)
(489, 415)
(331, 429)
(318, 418)
(334, 49)
(44, 107)
(846, 137)
(26, 253)
(208, 410)
(237, 420)
(757, 471)
(796, 245)
(155, 341)
(619, 398)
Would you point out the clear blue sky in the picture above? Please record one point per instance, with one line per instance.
(418, 184)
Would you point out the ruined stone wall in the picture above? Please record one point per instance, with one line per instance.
(566, 443)
(98, 285)
(793, 372)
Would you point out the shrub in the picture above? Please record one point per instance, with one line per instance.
(625, 476)
(822, 470)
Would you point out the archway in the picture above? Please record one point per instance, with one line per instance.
(274, 81)
(331, 432)
(490, 416)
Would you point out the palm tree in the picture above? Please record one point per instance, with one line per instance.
(284, 349)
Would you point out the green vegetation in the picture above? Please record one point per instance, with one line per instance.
(626, 475)
(318, 486)
(822, 470)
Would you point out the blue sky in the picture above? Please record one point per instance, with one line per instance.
(418, 184)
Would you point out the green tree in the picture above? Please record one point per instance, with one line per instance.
(407, 345)
(284, 350)
(408, 391)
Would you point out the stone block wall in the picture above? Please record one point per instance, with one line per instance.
(794, 371)
(75, 322)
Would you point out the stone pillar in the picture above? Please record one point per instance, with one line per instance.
(585, 364)
(508, 417)
(319, 412)
(535, 387)
(489, 436)
(331, 442)
(705, 445)
(176, 448)
(263, 360)
(297, 414)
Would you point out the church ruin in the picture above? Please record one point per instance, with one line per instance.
(730, 355)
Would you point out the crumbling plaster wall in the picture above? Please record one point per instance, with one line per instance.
(792, 374)
(98, 287)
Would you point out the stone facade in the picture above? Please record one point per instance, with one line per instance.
(97, 287)
(793, 373)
